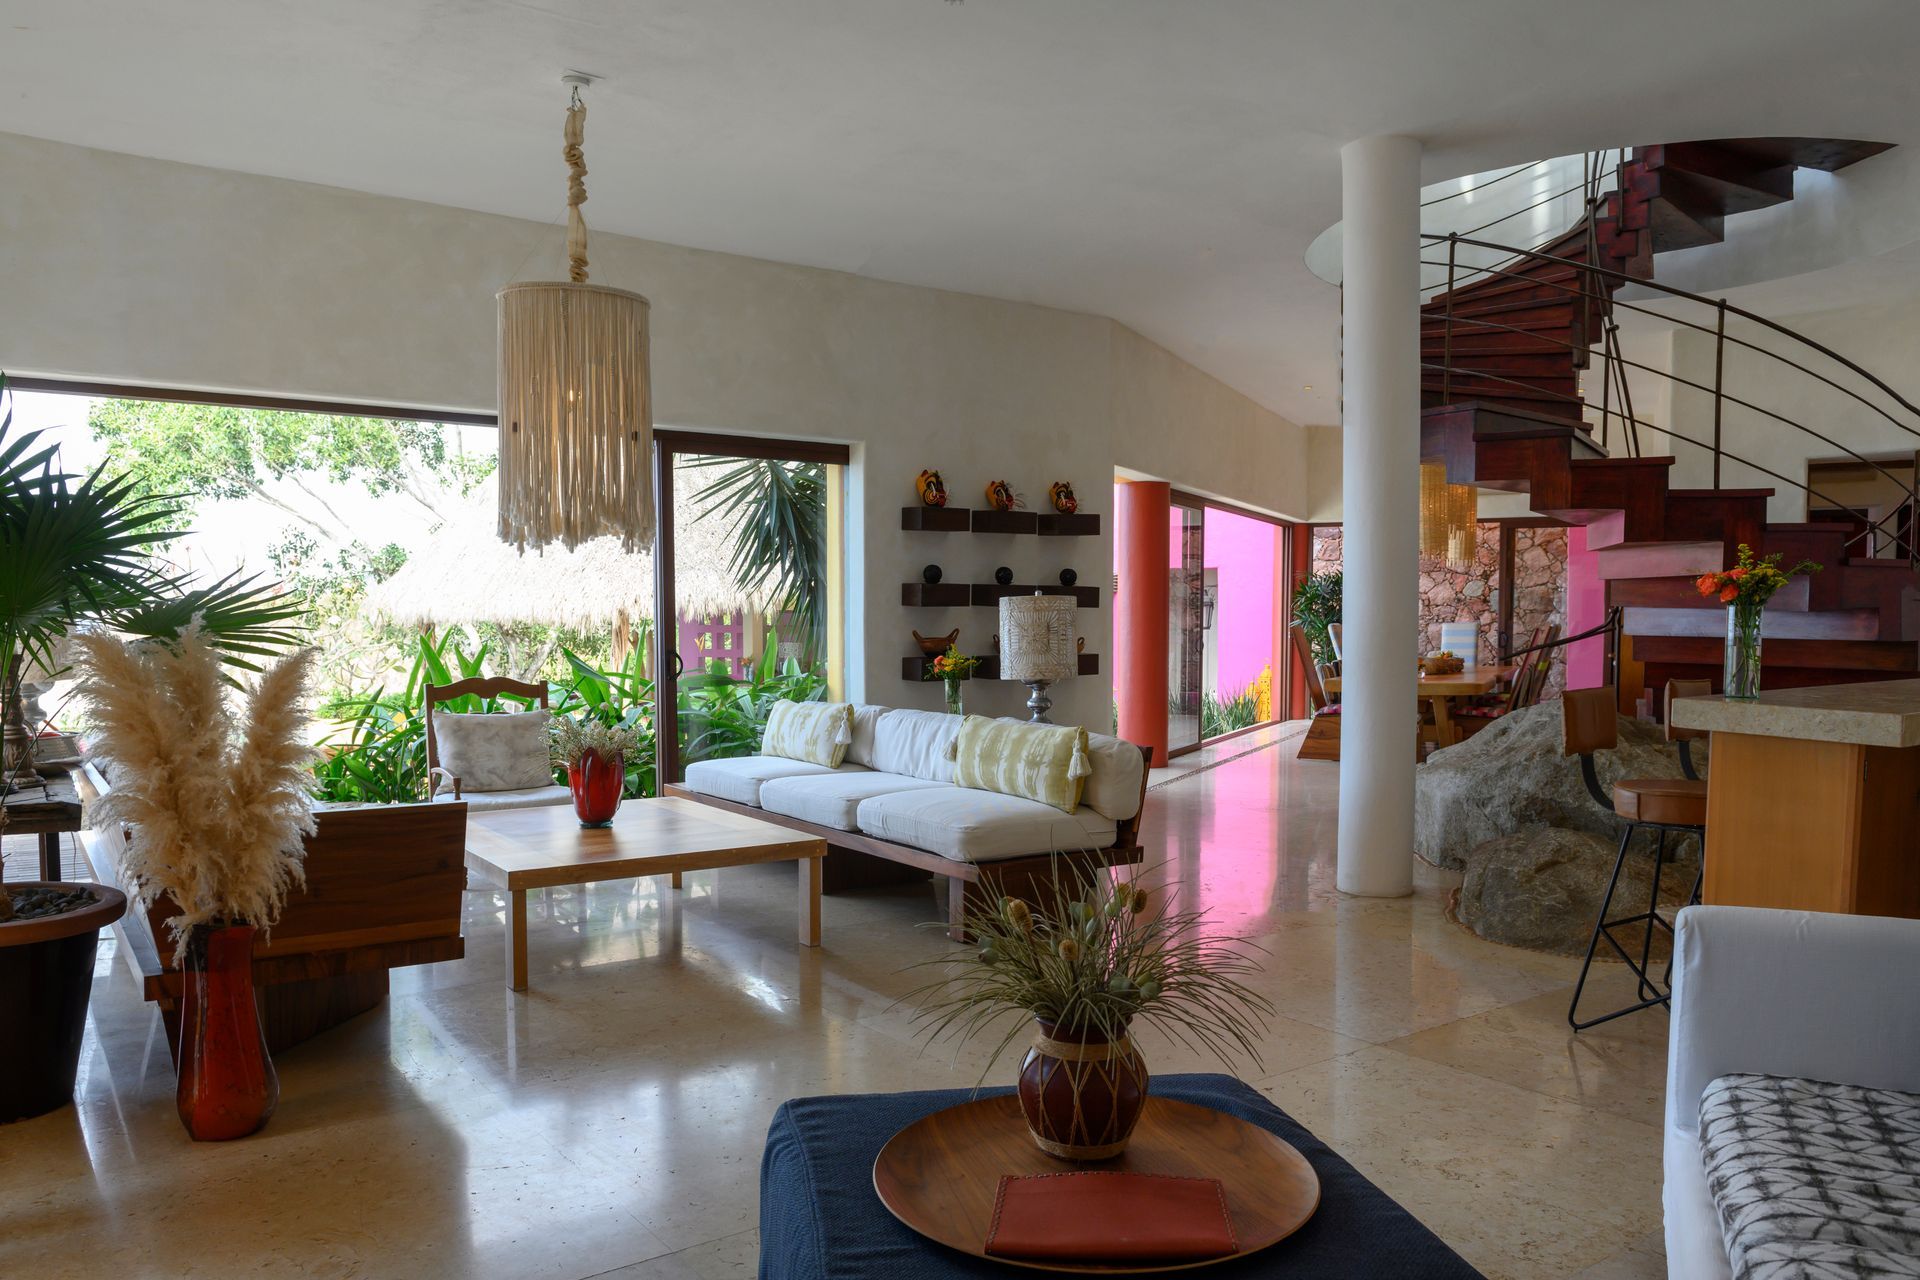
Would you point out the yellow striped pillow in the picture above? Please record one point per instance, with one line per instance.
(1044, 762)
(816, 732)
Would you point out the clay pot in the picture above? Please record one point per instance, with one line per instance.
(934, 646)
(1081, 1095)
(46, 979)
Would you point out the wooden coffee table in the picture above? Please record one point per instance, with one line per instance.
(522, 849)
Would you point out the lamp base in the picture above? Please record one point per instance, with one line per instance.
(1037, 701)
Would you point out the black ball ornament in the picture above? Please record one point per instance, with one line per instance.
(930, 574)
(1003, 576)
(1068, 577)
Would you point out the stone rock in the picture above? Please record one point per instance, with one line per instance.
(1541, 888)
(1512, 775)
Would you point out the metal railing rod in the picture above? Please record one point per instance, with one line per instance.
(1670, 291)
(1815, 374)
(1470, 190)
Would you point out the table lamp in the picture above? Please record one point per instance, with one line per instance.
(1037, 647)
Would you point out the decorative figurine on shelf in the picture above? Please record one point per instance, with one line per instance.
(1080, 644)
(931, 574)
(1060, 493)
(936, 644)
(951, 667)
(1068, 577)
(932, 489)
(1003, 576)
(1001, 497)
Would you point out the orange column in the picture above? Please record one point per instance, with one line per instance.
(1142, 554)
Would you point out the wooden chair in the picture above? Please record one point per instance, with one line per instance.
(1665, 805)
(1323, 730)
(1529, 682)
(481, 801)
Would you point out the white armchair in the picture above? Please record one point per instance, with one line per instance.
(1780, 993)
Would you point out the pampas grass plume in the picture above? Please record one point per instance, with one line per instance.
(218, 803)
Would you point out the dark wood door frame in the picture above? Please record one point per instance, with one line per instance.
(667, 445)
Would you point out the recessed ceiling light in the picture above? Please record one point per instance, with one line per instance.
(1306, 388)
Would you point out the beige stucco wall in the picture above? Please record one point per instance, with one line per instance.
(132, 270)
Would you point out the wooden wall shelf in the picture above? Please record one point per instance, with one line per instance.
(1047, 524)
(914, 667)
(935, 519)
(936, 595)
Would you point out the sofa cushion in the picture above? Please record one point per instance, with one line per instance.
(980, 826)
(520, 798)
(1811, 1178)
(739, 779)
(833, 800)
(866, 719)
(1113, 789)
(817, 732)
(1044, 762)
(508, 751)
(915, 743)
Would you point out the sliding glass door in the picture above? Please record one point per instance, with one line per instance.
(1186, 625)
(750, 590)
(1227, 620)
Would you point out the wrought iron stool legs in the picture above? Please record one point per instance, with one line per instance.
(1650, 992)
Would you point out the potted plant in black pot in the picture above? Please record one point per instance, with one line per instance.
(74, 552)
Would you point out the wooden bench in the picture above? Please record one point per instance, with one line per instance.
(962, 886)
(383, 891)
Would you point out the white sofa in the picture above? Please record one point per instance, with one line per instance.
(1799, 998)
(894, 797)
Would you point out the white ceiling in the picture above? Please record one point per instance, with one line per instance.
(1164, 162)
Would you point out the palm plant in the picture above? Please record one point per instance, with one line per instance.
(74, 551)
(781, 512)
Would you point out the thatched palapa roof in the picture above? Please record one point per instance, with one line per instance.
(463, 572)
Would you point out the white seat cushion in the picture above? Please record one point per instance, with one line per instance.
(980, 826)
(739, 779)
(915, 743)
(833, 800)
(517, 798)
(866, 718)
(1114, 787)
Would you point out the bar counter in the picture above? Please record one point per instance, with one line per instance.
(1813, 798)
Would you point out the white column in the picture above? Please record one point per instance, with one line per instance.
(1380, 498)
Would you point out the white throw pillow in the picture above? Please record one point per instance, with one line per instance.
(504, 752)
(915, 743)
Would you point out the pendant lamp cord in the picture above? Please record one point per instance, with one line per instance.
(576, 132)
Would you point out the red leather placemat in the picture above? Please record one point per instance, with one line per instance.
(1109, 1216)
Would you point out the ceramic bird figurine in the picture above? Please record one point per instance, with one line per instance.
(1060, 493)
(931, 488)
(1000, 496)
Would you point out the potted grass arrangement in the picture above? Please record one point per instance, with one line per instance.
(216, 802)
(594, 754)
(74, 552)
(1082, 972)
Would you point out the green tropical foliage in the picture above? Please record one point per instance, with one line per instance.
(1223, 713)
(1316, 606)
(781, 510)
(722, 716)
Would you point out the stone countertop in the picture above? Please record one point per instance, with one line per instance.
(1883, 714)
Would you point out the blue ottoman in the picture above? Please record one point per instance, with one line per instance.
(820, 1218)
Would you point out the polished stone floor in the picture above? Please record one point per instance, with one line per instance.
(608, 1122)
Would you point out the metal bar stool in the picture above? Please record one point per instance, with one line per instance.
(1663, 805)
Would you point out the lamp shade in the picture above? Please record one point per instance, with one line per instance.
(576, 416)
(1036, 638)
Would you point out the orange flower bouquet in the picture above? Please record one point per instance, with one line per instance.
(952, 667)
(1745, 590)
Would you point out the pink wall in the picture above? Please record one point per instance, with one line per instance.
(1586, 609)
(1244, 555)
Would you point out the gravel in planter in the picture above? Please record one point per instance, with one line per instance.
(38, 904)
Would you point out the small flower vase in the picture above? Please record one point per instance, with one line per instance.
(1082, 1094)
(597, 782)
(1740, 667)
(228, 1087)
(954, 706)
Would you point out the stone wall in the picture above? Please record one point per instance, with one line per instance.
(1450, 594)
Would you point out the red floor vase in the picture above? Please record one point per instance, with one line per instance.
(228, 1087)
(596, 782)
(1082, 1094)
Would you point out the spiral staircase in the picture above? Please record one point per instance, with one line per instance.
(1505, 350)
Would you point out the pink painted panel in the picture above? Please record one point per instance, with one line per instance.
(1586, 608)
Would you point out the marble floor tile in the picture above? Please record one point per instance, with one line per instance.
(609, 1120)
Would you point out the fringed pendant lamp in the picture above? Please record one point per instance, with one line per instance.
(576, 410)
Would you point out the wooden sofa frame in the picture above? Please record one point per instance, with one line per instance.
(384, 890)
(964, 886)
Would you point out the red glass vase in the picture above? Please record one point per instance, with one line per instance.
(596, 782)
(228, 1087)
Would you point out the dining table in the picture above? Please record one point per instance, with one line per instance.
(1441, 692)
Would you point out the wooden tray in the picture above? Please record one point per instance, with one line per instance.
(939, 1175)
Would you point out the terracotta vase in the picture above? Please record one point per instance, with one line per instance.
(228, 1087)
(1081, 1094)
(597, 782)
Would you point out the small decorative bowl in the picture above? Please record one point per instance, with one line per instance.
(1444, 664)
